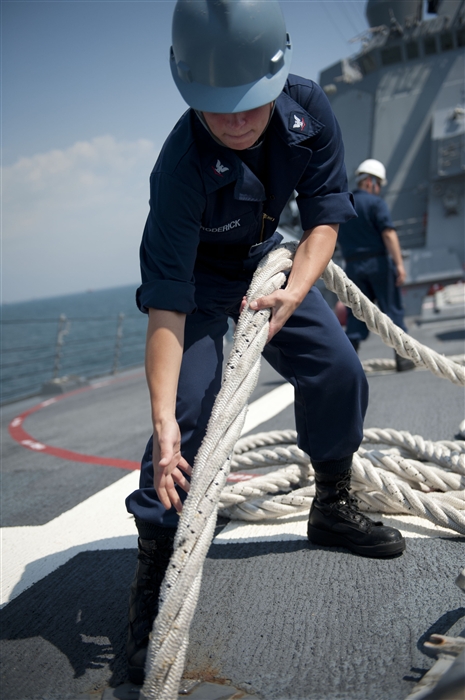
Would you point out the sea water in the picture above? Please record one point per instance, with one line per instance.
(90, 346)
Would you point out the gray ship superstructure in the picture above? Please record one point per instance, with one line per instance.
(401, 100)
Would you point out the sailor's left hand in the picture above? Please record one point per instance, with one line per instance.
(282, 305)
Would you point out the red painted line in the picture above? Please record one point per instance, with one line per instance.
(20, 435)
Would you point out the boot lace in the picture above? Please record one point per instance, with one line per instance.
(350, 505)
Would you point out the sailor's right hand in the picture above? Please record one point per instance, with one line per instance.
(169, 467)
(401, 275)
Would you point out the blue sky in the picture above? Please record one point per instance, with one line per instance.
(88, 100)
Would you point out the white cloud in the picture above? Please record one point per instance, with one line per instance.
(73, 219)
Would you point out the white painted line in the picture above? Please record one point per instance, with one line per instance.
(294, 527)
(33, 445)
(268, 406)
(287, 528)
(49, 402)
(100, 522)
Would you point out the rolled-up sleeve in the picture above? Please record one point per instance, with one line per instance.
(381, 218)
(169, 246)
(323, 196)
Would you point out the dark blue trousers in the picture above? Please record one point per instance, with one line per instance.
(311, 352)
(376, 278)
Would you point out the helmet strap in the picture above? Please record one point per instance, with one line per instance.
(204, 123)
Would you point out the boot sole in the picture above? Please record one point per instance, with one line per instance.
(330, 539)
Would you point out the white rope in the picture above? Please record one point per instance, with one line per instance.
(383, 364)
(337, 281)
(178, 596)
(383, 480)
(180, 589)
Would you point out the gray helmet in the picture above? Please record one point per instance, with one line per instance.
(229, 55)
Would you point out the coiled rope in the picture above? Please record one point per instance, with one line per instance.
(391, 481)
(378, 487)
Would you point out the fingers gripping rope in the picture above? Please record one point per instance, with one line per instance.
(384, 480)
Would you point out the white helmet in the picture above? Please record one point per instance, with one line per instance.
(372, 167)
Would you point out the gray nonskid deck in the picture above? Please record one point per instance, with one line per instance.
(280, 620)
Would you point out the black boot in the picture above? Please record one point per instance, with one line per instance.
(336, 521)
(153, 559)
(403, 364)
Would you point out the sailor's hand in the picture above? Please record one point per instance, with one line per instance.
(169, 467)
(282, 305)
(401, 275)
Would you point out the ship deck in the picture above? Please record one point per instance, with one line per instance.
(277, 618)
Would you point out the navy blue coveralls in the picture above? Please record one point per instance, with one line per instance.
(368, 264)
(211, 220)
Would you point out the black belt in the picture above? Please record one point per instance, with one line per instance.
(365, 256)
(224, 251)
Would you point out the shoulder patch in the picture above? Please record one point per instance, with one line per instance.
(299, 121)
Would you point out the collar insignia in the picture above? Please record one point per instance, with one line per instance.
(298, 121)
(219, 168)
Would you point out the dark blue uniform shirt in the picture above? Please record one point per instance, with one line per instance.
(361, 237)
(208, 208)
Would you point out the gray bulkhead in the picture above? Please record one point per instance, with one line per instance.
(401, 100)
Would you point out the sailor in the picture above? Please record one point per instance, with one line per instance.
(253, 135)
(372, 253)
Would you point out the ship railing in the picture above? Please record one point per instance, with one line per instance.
(50, 355)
